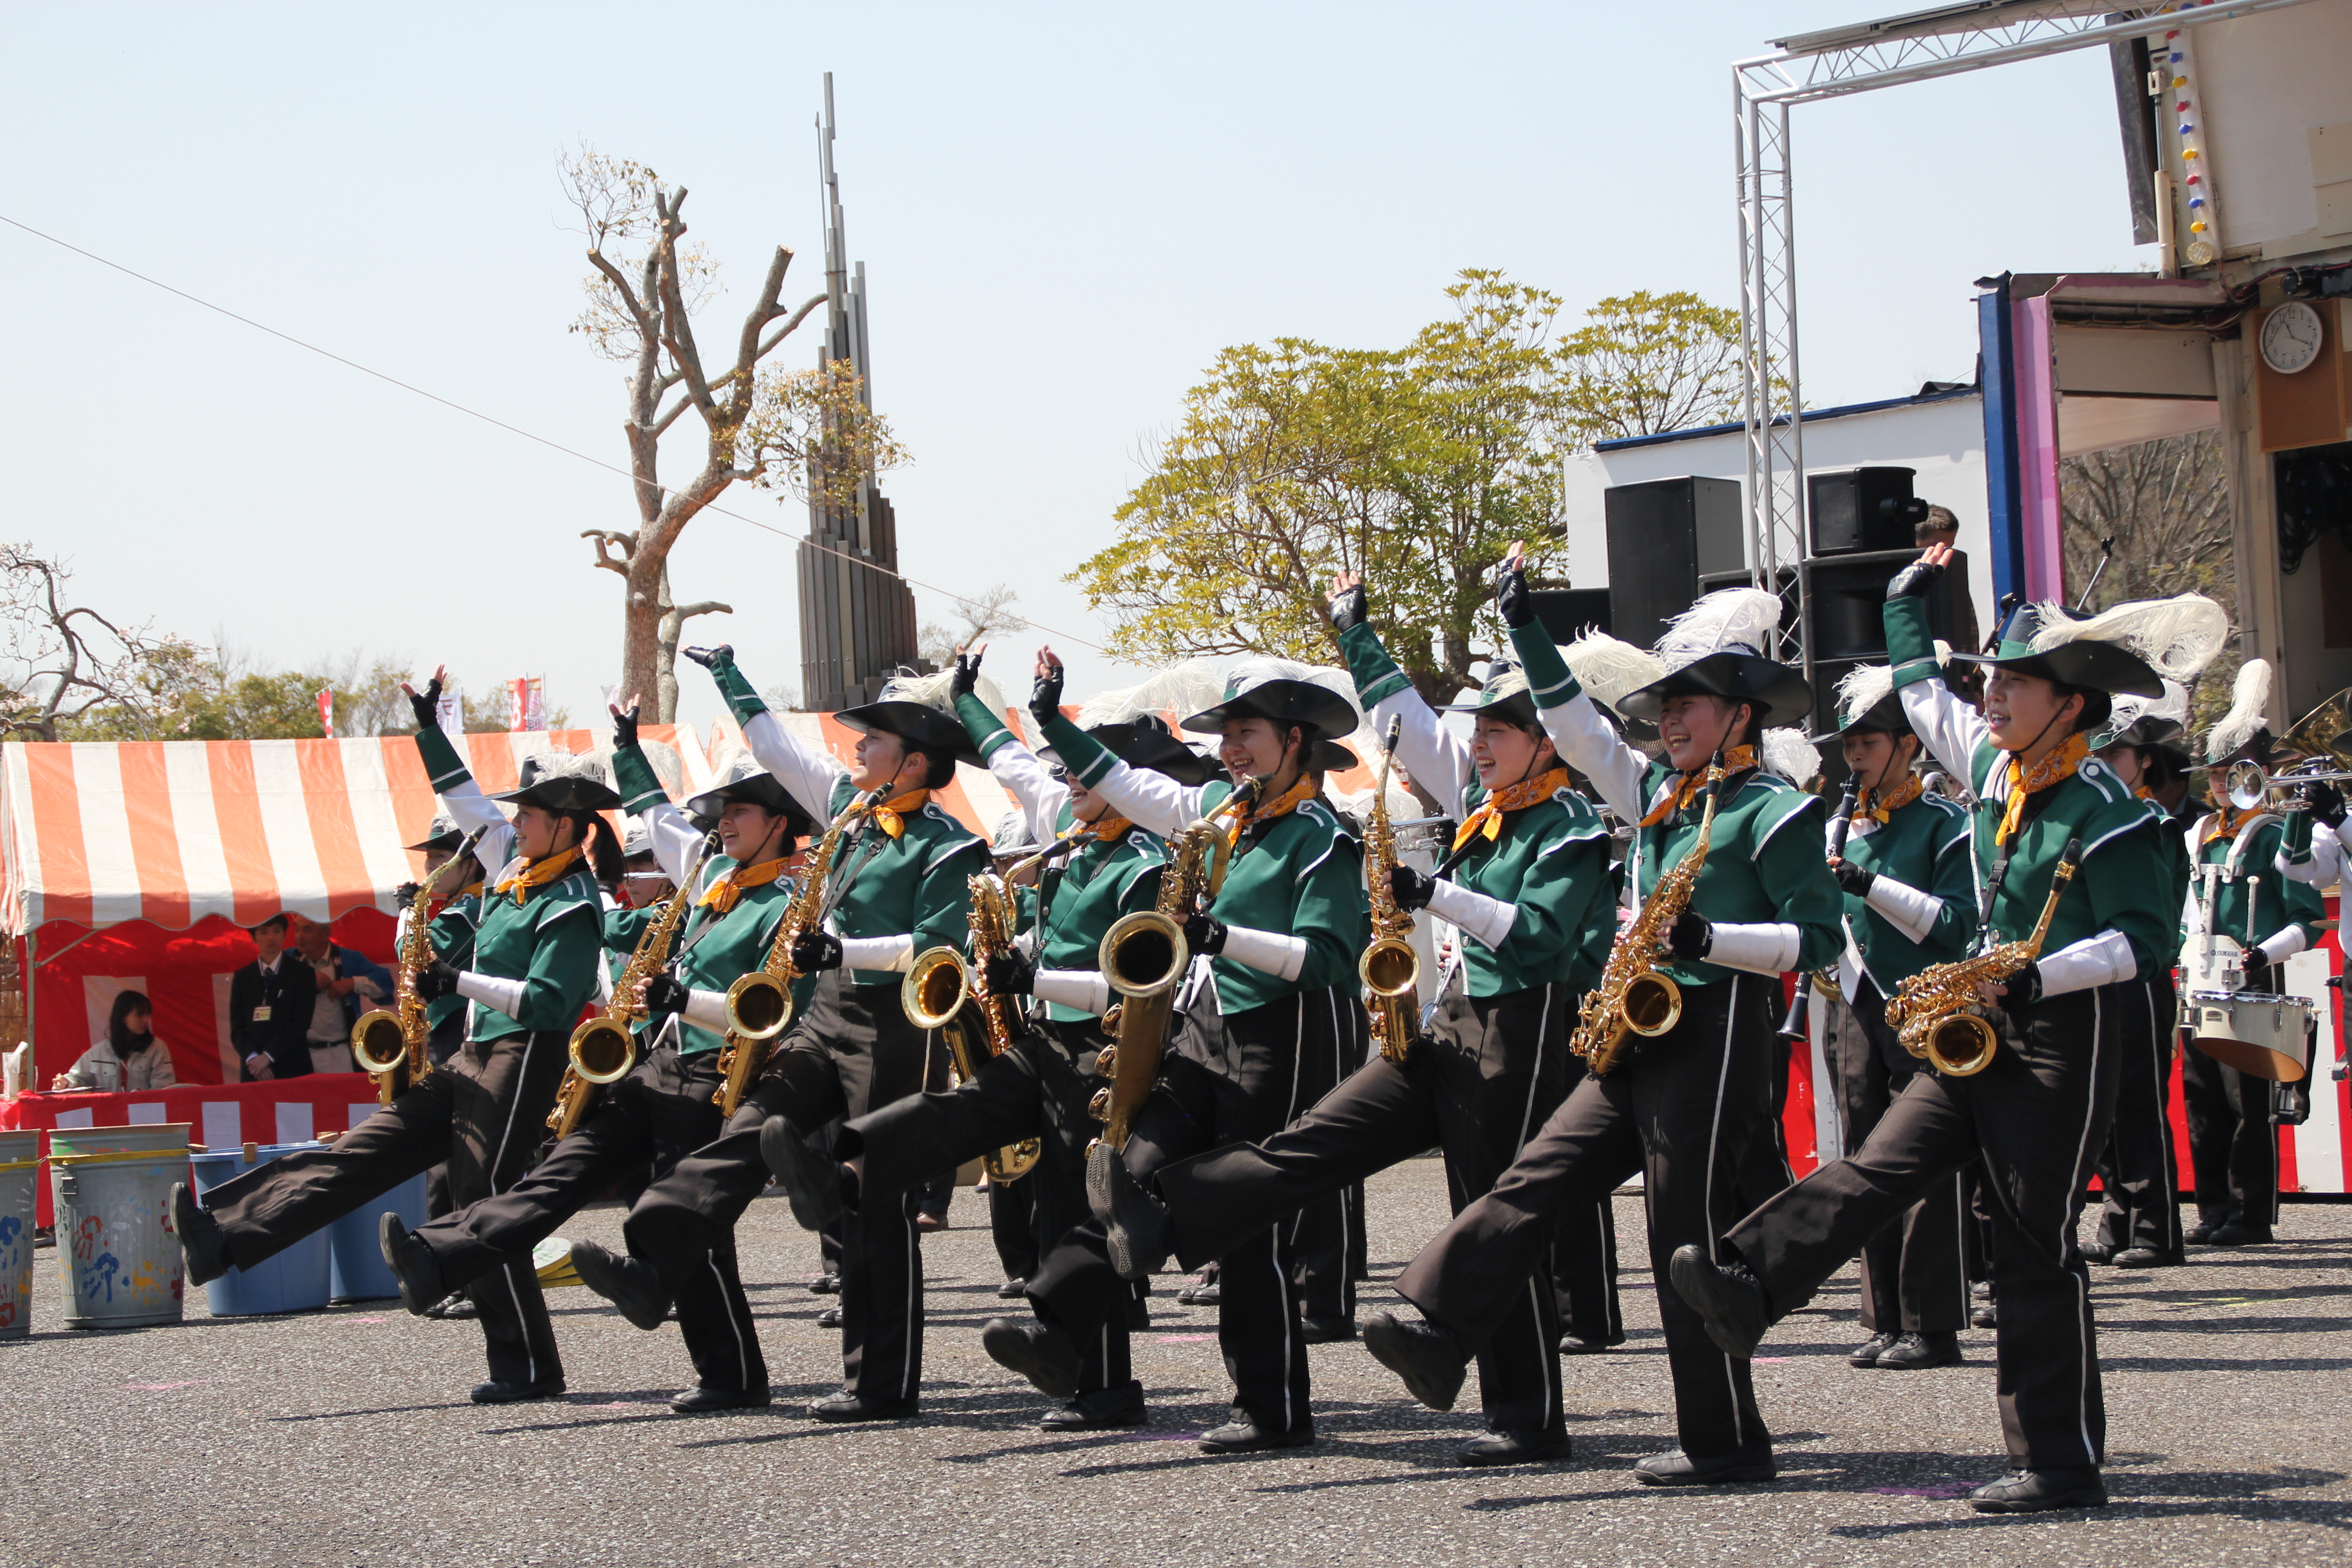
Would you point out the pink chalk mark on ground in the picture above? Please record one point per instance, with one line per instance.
(167, 1387)
(1184, 1339)
(1942, 1492)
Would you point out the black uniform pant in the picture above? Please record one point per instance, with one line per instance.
(655, 1116)
(2138, 1172)
(1012, 1225)
(1680, 1109)
(2232, 1144)
(1764, 1170)
(484, 1111)
(2037, 1116)
(1330, 1228)
(1229, 1078)
(1039, 1087)
(850, 1051)
(440, 1046)
(1914, 1275)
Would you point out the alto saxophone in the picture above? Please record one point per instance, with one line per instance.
(942, 992)
(602, 1048)
(1935, 1012)
(1634, 997)
(390, 1042)
(1389, 968)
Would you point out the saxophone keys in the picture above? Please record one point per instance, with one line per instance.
(1099, 1106)
(1107, 1062)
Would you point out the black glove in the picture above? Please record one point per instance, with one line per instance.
(1852, 877)
(2326, 803)
(2256, 968)
(427, 704)
(967, 675)
(1045, 697)
(1512, 601)
(665, 994)
(1351, 608)
(437, 980)
(1914, 581)
(1010, 975)
(1204, 933)
(624, 727)
(2024, 988)
(1411, 889)
(1691, 936)
(406, 892)
(712, 657)
(815, 951)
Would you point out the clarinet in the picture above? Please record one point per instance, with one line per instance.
(1796, 1025)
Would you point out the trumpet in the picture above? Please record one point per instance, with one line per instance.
(2248, 786)
(390, 1042)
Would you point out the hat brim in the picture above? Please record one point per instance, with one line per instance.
(1774, 690)
(1285, 701)
(1140, 745)
(764, 790)
(2099, 666)
(1518, 708)
(564, 795)
(925, 728)
(449, 840)
(1330, 757)
(1883, 717)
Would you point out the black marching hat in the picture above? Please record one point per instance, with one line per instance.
(2088, 662)
(1145, 741)
(1720, 642)
(921, 725)
(747, 781)
(1867, 704)
(563, 781)
(1504, 693)
(444, 834)
(1312, 708)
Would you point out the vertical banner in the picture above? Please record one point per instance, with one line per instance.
(527, 702)
(327, 712)
(2036, 385)
(449, 712)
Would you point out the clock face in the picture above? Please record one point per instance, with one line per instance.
(2292, 337)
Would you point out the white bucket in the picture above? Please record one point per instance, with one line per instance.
(20, 1168)
(120, 1258)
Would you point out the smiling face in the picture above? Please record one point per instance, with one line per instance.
(1694, 727)
(539, 832)
(1257, 748)
(750, 833)
(2025, 713)
(1506, 754)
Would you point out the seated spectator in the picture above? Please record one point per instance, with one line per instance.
(130, 1057)
(348, 984)
(270, 1006)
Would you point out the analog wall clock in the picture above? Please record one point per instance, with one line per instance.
(2292, 337)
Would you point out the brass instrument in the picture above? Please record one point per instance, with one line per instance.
(1934, 1012)
(1634, 997)
(944, 993)
(1389, 968)
(390, 1042)
(759, 1005)
(1144, 955)
(602, 1048)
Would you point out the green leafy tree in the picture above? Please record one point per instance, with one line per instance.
(1644, 364)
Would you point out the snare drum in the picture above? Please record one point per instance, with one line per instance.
(2261, 1035)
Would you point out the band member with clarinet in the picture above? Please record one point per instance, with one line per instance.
(532, 969)
(1102, 867)
(2025, 1035)
(664, 1108)
(1901, 855)
(1678, 1107)
(1273, 1017)
(894, 884)
(1528, 887)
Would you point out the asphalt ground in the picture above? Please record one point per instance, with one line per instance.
(344, 1437)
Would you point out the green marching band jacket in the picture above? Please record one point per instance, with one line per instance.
(1922, 907)
(1541, 907)
(1298, 879)
(1082, 893)
(887, 898)
(712, 950)
(2261, 908)
(2114, 924)
(451, 932)
(1766, 885)
(548, 939)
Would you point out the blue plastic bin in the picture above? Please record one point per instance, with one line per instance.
(296, 1280)
(361, 1273)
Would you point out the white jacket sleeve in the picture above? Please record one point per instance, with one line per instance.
(1084, 989)
(2102, 960)
(470, 809)
(1438, 759)
(1590, 744)
(1016, 767)
(707, 1009)
(491, 991)
(1488, 920)
(1269, 952)
(1911, 911)
(809, 775)
(1760, 948)
(877, 951)
(1948, 727)
(1151, 800)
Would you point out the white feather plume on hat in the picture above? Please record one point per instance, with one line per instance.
(1729, 617)
(1862, 689)
(1788, 753)
(1200, 684)
(543, 767)
(1608, 667)
(2178, 637)
(2248, 697)
(936, 692)
(2128, 710)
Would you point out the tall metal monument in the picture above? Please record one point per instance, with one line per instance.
(857, 616)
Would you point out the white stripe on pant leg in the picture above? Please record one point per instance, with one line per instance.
(1535, 1305)
(2066, 1237)
(2157, 1042)
(742, 1356)
(914, 1310)
(514, 1104)
(1707, 1196)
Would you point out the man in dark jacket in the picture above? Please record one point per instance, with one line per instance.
(270, 1007)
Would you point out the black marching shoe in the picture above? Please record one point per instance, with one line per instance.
(2097, 1252)
(1867, 1353)
(701, 1401)
(848, 1406)
(201, 1240)
(1570, 1345)
(1742, 1466)
(2147, 1258)
(1514, 1449)
(413, 1265)
(811, 1181)
(495, 1393)
(830, 1318)
(825, 1285)
(2038, 1492)
(1012, 1290)
(1326, 1331)
(1202, 1292)
(454, 1308)
(1037, 1350)
(2201, 1233)
(629, 1283)
(1099, 1409)
(1430, 1359)
(1135, 1224)
(1922, 1352)
(1727, 1299)
(1243, 1436)
(2238, 1233)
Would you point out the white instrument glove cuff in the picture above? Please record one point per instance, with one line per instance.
(887, 952)
(1763, 948)
(1280, 956)
(1488, 920)
(1910, 911)
(505, 996)
(707, 1009)
(1084, 989)
(2284, 944)
(2102, 960)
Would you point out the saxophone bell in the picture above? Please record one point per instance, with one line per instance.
(603, 1051)
(379, 1041)
(1960, 1046)
(1143, 953)
(937, 985)
(758, 1008)
(1390, 967)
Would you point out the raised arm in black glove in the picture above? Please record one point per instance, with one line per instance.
(1350, 607)
(1204, 933)
(712, 657)
(437, 980)
(624, 727)
(1045, 697)
(1914, 580)
(816, 951)
(1411, 889)
(1010, 975)
(967, 674)
(427, 704)
(665, 994)
(1512, 601)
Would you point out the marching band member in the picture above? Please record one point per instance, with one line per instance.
(896, 886)
(1272, 1019)
(2232, 1144)
(1534, 904)
(665, 1109)
(1681, 1108)
(533, 967)
(457, 899)
(1910, 897)
(2038, 1112)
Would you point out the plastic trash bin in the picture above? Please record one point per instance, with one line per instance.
(361, 1273)
(112, 1190)
(295, 1280)
(20, 1167)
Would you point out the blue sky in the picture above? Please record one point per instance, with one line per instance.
(1064, 212)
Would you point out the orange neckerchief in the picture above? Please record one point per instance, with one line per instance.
(2226, 820)
(471, 889)
(721, 894)
(1488, 818)
(1877, 807)
(2057, 767)
(1304, 790)
(537, 874)
(1738, 760)
(2141, 791)
(891, 814)
(1107, 828)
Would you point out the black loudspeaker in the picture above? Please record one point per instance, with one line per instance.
(1567, 614)
(1664, 535)
(1863, 510)
(1845, 596)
